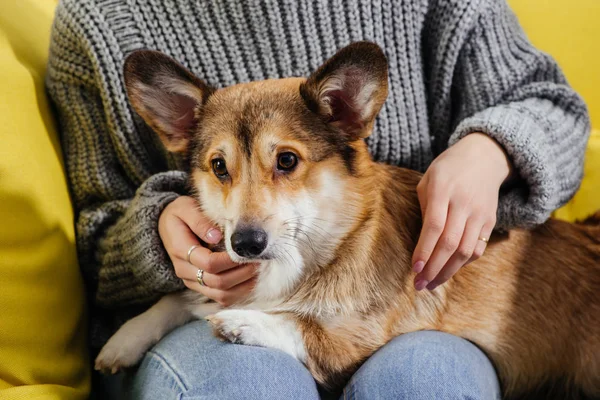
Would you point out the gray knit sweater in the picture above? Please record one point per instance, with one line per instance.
(455, 67)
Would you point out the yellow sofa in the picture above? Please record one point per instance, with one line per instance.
(42, 306)
(42, 313)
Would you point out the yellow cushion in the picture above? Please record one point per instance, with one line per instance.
(587, 199)
(568, 30)
(42, 321)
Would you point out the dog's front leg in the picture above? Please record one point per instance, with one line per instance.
(129, 344)
(256, 328)
(331, 357)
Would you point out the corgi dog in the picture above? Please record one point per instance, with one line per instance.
(282, 168)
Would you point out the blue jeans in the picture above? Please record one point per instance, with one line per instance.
(190, 363)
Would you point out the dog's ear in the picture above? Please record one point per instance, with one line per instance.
(166, 95)
(349, 89)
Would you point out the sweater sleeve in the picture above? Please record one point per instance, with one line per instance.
(119, 179)
(120, 247)
(516, 94)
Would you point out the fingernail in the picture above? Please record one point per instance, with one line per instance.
(432, 285)
(418, 267)
(213, 235)
(421, 284)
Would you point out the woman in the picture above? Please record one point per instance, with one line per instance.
(488, 118)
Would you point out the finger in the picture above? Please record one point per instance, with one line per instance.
(462, 255)
(218, 262)
(179, 240)
(444, 248)
(200, 256)
(189, 212)
(433, 227)
(224, 297)
(478, 251)
(228, 279)
(486, 233)
(208, 261)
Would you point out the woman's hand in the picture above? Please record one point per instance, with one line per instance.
(459, 199)
(180, 225)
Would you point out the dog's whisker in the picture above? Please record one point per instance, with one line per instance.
(307, 241)
(309, 233)
(311, 229)
(281, 256)
(314, 251)
(308, 238)
(291, 258)
(296, 248)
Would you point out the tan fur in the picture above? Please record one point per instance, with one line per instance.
(531, 302)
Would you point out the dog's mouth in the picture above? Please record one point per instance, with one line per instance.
(266, 256)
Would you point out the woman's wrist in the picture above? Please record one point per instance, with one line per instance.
(498, 163)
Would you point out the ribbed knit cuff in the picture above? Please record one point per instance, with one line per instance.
(537, 192)
(135, 266)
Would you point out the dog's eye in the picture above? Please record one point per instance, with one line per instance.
(287, 161)
(219, 168)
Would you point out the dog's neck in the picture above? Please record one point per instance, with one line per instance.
(379, 246)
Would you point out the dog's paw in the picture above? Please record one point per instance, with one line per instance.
(239, 326)
(113, 359)
(256, 328)
(125, 348)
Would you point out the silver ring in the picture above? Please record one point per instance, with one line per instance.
(189, 254)
(199, 276)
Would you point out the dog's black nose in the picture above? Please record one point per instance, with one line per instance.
(249, 242)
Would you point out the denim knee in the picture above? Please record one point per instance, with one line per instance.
(426, 365)
(191, 363)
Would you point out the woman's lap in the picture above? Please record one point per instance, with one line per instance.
(190, 363)
(425, 365)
